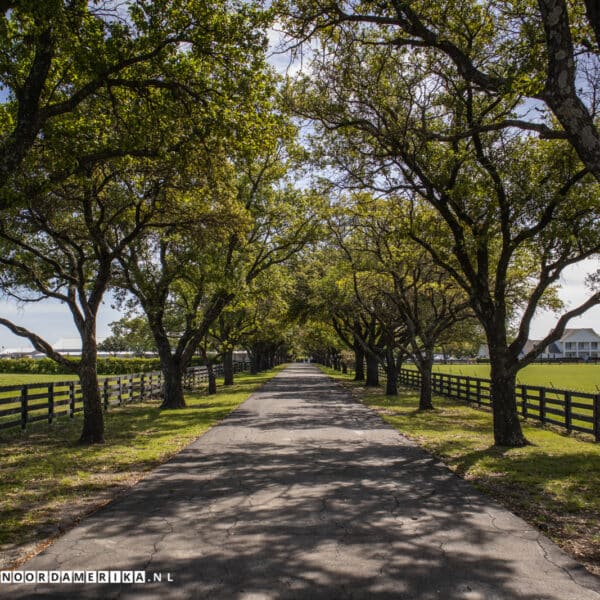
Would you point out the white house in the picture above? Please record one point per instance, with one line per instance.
(579, 344)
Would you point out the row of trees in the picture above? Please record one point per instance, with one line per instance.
(145, 151)
(478, 122)
(379, 293)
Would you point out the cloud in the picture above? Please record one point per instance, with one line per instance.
(573, 292)
(50, 319)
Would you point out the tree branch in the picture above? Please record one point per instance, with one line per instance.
(41, 345)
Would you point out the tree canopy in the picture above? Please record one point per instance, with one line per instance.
(428, 173)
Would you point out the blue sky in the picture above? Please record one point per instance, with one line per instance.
(49, 319)
(52, 320)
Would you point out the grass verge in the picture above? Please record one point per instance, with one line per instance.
(554, 484)
(49, 483)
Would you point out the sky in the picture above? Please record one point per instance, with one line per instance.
(52, 320)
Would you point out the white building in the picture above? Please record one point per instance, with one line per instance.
(66, 346)
(577, 343)
(582, 344)
(20, 352)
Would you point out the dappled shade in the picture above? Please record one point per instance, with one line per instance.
(303, 493)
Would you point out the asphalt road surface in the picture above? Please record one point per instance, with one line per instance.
(304, 493)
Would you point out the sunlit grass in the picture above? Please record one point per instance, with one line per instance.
(554, 483)
(581, 377)
(48, 480)
(22, 378)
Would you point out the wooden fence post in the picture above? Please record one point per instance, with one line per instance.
(524, 401)
(543, 405)
(597, 417)
(71, 399)
(142, 391)
(120, 391)
(568, 411)
(24, 407)
(50, 402)
(105, 394)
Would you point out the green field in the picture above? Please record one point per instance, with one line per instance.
(555, 401)
(21, 378)
(578, 377)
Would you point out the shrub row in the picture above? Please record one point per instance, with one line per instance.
(106, 366)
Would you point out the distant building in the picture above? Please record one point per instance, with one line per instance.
(20, 352)
(240, 356)
(66, 346)
(582, 344)
(578, 343)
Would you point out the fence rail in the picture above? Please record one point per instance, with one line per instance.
(21, 405)
(569, 409)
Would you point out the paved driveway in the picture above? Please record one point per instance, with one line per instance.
(303, 493)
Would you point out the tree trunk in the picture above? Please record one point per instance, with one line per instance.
(359, 361)
(507, 427)
(212, 380)
(372, 370)
(253, 363)
(173, 384)
(228, 367)
(391, 385)
(93, 419)
(399, 361)
(425, 367)
(262, 362)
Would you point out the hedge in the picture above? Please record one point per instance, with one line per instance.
(106, 366)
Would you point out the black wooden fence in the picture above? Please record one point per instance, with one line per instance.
(569, 409)
(21, 405)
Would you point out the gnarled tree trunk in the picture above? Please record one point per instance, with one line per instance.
(228, 367)
(212, 380)
(507, 427)
(391, 372)
(372, 370)
(172, 383)
(93, 418)
(425, 366)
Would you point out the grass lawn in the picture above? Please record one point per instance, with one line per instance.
(579, 377)
(49, 482)
(21, 378)
(553, 484)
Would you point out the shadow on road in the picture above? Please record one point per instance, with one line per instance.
(315, 500)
